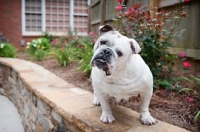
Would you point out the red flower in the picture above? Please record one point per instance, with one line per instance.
(62, 48)
(120, 1)
(119, 7)
(69, 37)
(79, 46)
(54, 41)
(65, 41)
(186, 64)
(187, 0)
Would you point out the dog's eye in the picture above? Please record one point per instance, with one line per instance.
(119, 53)
(103, 42)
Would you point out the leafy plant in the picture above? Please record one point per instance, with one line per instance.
(195, 85)
(85, 54)
(84, 51)
(62, 55)
(7, 50)
(39, 48)
(154, 35)
(195, 88)
(71, 38)
(48, 36)
(169, 84)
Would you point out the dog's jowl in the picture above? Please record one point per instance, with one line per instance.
(120, 72)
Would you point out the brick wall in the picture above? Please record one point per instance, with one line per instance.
(11, 22)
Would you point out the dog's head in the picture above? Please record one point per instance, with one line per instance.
(112, 50)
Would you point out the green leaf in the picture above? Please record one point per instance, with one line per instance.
(185, 90)
(195, 78)
(186, 79)
(196, 116)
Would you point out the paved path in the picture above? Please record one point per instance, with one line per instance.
(9, 116)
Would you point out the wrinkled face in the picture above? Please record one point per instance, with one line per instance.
(112, 51)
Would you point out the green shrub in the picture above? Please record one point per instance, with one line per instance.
(48, 36)
(154, 36)
(83, 52)
(7, 50)
(62, 55)
(39, 48)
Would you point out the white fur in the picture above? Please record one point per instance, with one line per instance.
(129, 77)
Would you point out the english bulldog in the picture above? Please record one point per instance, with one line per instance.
(119, 71)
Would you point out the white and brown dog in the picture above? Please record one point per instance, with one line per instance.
(120, 72)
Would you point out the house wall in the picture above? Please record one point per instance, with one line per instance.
(11, 24)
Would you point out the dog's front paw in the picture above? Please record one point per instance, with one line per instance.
(146, 118)
(107, 118)
(96, 101)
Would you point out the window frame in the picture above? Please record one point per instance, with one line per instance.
(33, 33)
(39, 33)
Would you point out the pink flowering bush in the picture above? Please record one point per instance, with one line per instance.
(154, 35)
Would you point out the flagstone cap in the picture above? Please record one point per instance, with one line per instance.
(75, 104)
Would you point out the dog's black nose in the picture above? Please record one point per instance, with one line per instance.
(103, 42)
(107, 51)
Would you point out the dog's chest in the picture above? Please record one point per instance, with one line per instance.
(120, 91)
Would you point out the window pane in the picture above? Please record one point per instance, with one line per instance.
(57, 15)
(33, 22)
(33, 15)
(33, 6)
(80, 17)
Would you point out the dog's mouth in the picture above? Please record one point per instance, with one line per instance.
(103, 65)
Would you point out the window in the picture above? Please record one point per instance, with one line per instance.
(80, 15)
(54, 16)
(57, 15)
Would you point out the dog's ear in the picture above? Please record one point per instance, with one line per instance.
(134, 46)
(105, 28)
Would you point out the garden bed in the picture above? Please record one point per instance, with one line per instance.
(166, 105)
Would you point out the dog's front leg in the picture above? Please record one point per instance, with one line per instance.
(145, 116)
(106, 116)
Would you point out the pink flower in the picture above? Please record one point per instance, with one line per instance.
(120, 1)
(181, 54)
(186, 64)
(94, 40)
(190, 99)
(54, 41)
(119, 7)
(187, 0)
(81, 30)
(92, 34)
(164, 90)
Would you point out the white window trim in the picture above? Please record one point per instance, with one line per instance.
(71, 16)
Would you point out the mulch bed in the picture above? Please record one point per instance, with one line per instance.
(168, 106)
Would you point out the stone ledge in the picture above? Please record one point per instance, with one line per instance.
(72, 105)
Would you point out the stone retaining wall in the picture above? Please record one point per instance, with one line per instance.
(47, 103)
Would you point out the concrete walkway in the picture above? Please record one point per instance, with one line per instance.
(9, 116)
